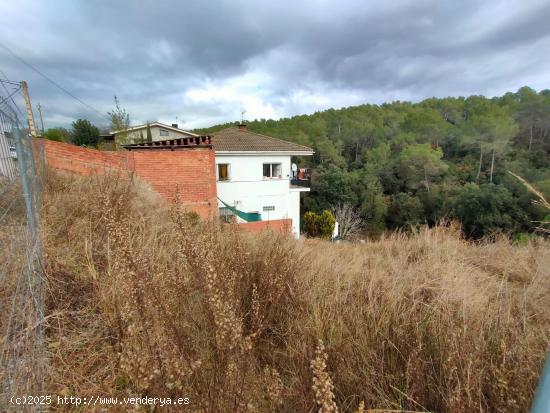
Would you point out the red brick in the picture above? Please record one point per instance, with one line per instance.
(189, 174)
(282, 226)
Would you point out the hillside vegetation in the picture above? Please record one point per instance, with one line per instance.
(404, 164)
(147, 300)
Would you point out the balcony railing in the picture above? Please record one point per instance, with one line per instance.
(305, 183)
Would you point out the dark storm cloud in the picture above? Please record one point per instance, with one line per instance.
(204, 61)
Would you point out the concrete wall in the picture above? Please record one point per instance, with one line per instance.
(185, 174)
(249, 191)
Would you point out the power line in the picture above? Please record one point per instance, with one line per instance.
(3, 82)
(51, 80)
(9, 95)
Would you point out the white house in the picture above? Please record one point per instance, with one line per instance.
(254, 174)
(159, 132)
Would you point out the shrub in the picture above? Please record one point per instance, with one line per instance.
(319, 225)
(311, 227)
(486, 209)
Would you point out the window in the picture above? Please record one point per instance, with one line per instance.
(269, 208)
(272, 170)
(223, 172)
(226, 215)
(163, 132)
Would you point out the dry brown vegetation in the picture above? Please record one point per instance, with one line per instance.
(148, 300)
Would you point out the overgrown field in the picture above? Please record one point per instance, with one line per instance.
(148, 300)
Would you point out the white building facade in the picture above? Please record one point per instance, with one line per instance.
(254, 175)
(159, 132)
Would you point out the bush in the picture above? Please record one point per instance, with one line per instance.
(58, 134)
(405, 211)
(319, 225)
(85, 134)
(486, 209)
(311, 227)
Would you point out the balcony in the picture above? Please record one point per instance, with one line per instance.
(300, 183)
(301, 179)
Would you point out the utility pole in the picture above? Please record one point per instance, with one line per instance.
(41, 118)
(25, 89)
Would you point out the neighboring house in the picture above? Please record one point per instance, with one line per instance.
(254, 175)
(135, 134)
(8, 156)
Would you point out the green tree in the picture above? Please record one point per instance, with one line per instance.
(533, 114)
(120, 122)
(149, 134)
(492, 132)
(58, 134)
(376, 159)
(374, 206)
(85, 134)
(427, 124)
(405, 211)
(328, 152)
(419, 164)
(485, 209)
(332, 185)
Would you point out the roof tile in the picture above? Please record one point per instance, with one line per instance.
(241, 140)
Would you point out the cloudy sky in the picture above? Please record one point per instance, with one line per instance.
(203, 61)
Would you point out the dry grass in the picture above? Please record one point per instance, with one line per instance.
(430, 321)
(146, 300)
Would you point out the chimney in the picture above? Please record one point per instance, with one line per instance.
(242, 126)
(174, 125)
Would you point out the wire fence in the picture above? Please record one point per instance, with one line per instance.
(22, 355)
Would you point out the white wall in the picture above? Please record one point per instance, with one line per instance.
(248, 191)
(134, 136)
(294, 212)
(155, 131)
(8, 164)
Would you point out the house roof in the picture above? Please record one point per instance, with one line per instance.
(159, 124)
(172, 144)
(242, 140)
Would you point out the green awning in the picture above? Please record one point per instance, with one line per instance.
(247, 216)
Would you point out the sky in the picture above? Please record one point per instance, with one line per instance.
(200, 63)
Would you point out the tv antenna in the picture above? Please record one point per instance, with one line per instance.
(243, 111)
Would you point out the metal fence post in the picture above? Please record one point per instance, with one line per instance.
(22, 348)
(541, 402)
(25, 182)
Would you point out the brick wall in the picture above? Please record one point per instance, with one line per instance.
(188, 174)
(283, 226)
